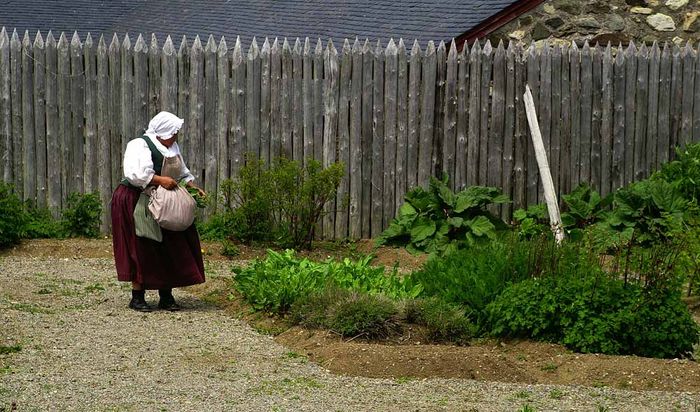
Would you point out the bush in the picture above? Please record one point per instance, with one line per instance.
(445, 322)
(40, 224)
(684, 172)
(346, 312)
(276, 282)
(13, 216)
(82, 216)
(595, 313)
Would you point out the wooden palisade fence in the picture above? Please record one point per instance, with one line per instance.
(394, 117)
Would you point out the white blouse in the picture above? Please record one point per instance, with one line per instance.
(138, 166)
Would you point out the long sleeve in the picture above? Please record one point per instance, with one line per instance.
(138, 166)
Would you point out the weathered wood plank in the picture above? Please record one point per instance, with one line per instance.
(696, 104)
(53, 161)
(16, 99)
(90, 183)
(617, 171)
(533, 80)
(265, 101)
(183, 87)
(688, 57)
(195, 128)
(401, 126)
(508, 131)
(556, 122)
(223, 75)
(378, 143)
(103, 165)
(520, 136)
(596, 118)
(115, 108)
(436, 167)
(586, 115)
(286, 102)
(77, 85)
(355, 150)
(664, 120)
(676, 103)
(498, 111)
(318, 70)
(276, 103)
(297, 105)
(238, 99)
(486, 69)
(5, 106)
(544, 112)
(154, 79)
(640, 123)
(211, 107)
(343, 141)
(606, 126)
(28, 136)
(308, 101)
(414, 116)
(565, 126)
(140, 98)
(390, 89)
(39, 71)
(460, 176)
(449, 141)
(252, 120)
(653, 109)
(127, 129)
(169, 80)
(366, 138)
(429, 70)
(630, 107)
(330, 129)
(575, 77)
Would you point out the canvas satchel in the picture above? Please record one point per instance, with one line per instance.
(172, 209)
(145, 225)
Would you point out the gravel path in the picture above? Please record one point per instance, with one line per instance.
(82, 349)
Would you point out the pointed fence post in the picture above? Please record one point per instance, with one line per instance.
(550, 194)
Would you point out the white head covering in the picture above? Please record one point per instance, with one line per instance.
(164, 125)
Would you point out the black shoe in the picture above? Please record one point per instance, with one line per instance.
(169, 304)
(140, 305)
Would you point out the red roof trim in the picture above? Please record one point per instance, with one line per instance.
(496, 21)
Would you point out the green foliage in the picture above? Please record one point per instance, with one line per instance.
(229, 249)
(595, 313)
(349, 313)
(13, 217)
(474, 277)
(82, 216)
(201, 201)
(584, 208)
(299, 196)
(445, 322)
(684, 172)
(438, 220)
(532, 222)
(275, 283)
(40, 224)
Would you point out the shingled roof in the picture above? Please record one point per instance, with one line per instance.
(373, 19)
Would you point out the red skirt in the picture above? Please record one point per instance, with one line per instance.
(174, 262)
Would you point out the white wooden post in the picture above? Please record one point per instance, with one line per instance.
(549, 193)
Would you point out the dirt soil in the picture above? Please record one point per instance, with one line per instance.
(408, 356)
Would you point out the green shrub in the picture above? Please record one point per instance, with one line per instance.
(584, 207)
(684, 172)
(40, 224)
(82, 215)
(229, 249)
(532, 222)
(474, 277)
(438, 220)
(279, 280)
(595, 313)
(445, 322)
(13, 216)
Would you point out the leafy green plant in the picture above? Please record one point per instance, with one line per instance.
(684, 172)
(40, 224)
(584, 208)
(229, 249)
(279, 280)
(82, 215)
(437, 220)
(531, 222)
(445, 322)
(13, 217)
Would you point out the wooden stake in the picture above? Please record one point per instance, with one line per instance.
(550, 194)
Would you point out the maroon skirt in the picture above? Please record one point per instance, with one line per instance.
(174, 262)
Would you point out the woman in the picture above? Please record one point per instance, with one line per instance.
(146, 263)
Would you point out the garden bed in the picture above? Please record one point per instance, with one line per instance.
(407, 357)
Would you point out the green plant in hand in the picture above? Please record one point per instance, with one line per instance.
(438, 220)
(201, 200)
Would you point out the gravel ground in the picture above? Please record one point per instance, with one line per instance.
(82, 349)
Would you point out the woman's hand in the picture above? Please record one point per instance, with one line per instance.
(165, 181)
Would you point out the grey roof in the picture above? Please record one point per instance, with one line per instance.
(373, 19)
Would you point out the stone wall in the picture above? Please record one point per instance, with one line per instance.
(617, 21)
